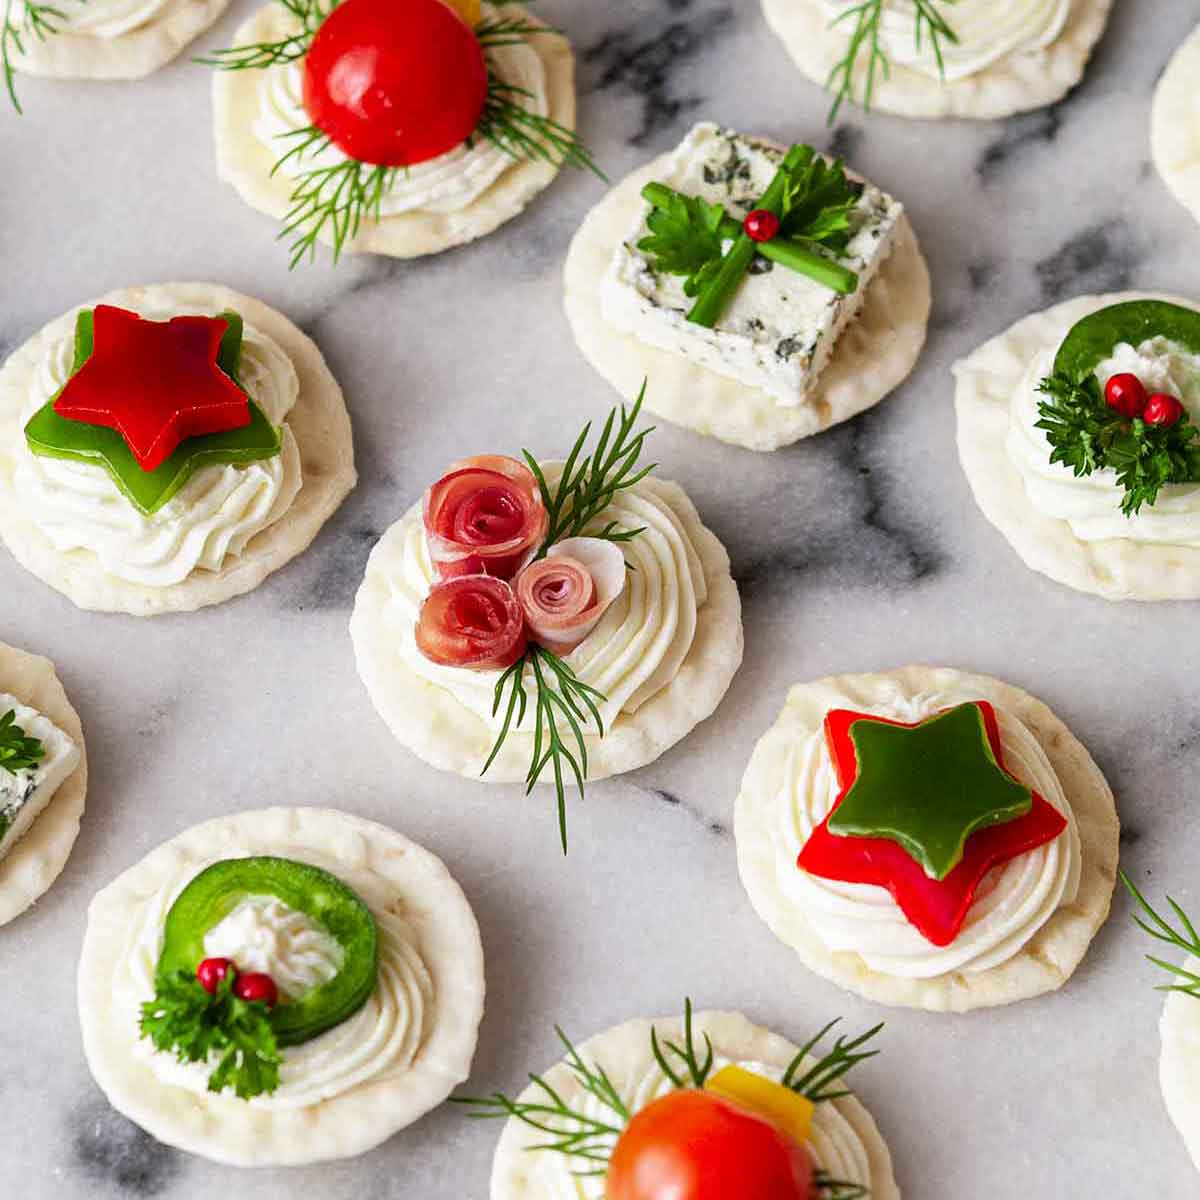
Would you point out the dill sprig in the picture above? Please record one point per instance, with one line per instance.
(38, 21)
(1158, 927)
(309, 15)
(697, 1069)
(867, 18)
(830, 1067)
(18, 752)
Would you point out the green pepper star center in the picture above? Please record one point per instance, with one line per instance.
(928, 787)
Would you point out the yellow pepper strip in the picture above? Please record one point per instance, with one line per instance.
(469, 10)
(790, 1112)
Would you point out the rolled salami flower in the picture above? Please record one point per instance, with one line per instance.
(485, 516)
(565, 594)
(473, 621)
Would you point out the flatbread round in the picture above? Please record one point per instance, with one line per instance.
(621, 1050)
(438, 728)
(226, 1129)
(1049, 958)
(1015, 84)
(132, 55)
(319, 422)
(1179, 1064)
(1117, 569)
(1175, 126)
(245, 162)
(874, 355)
(37, 860)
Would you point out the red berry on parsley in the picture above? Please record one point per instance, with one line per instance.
(1162, 410)
(1126, 394)
(255, 987)
(761, 225)
(212, 970)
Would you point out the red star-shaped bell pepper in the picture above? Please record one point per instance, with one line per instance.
(936, 908)
(157, 383)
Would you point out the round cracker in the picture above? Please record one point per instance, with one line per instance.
(131, 55)
(733, 1036)
(37, 860)
(442, 731)
(1050, 957)
(1015, 84)
(1118, 568)
(874, 355)
(1175, 128)
(223, 1128)
(245, 162)
(319, 422)
(1179, 1064)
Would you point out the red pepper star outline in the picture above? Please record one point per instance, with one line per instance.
(936, 908)
(157, 383)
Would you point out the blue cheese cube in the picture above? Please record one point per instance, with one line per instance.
(24, 794)
(781, 328)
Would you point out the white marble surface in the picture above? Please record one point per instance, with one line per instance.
(855, 550)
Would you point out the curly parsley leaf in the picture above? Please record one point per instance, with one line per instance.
(818, 201)
(17, 751)
(685, 238)
(185, 1019)
(1087, 435)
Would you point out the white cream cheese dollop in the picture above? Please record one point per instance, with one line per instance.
(108, 19)
(987, 31)
(633, 653)
(213, 516)
(834, 1143)
(380, 1040)
(449, 183)
(1014, 900)
(1091, 504)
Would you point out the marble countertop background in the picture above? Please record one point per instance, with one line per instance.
(855, 550)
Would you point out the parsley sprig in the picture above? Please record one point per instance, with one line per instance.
(589, 1139)
(1184, 938)
(865, 20)
(185, 1019)
(566, 708)
(38, 21)
(18, 752)
(1087, 435)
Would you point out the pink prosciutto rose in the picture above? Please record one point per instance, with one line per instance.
(565, 594)
(485, 516)
(472, 621)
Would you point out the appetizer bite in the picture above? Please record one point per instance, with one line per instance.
(43, 779)
(168, 447)
(281, 987)
(927, 838)
(397, 127)
(941, 58)
(1076, 429)
(764, 292)
(1175, 126)
(548, 621)
(709, 1107)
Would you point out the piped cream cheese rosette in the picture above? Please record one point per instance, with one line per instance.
(281, 987)
(723, 1107)
(1077, 433)
(171, 483)
(469, 113)
(978, 883)
(548, 622)
(1175, 125)
(43, 779)
(969, 58)
(764, 292)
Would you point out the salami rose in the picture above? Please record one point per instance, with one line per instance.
(566, 593)
(472, 621)
(485, 516)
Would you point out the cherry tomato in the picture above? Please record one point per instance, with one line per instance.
(1126, 394)
(212, 970)
(256, 987)
(1162, 409)
(692, 1145)
(395, 82)
(761, 225)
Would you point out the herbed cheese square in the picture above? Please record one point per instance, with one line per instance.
(781, 327)
(24, 794)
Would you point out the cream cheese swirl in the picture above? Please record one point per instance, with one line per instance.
(638, 646)
(110, 18)
(448, 183)
(380, 1041)
(210, 519)
(1013, 902)
(833, 1142)
(987, 31)
(1091, 504)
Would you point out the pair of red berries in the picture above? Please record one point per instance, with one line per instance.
(251, 987)
(1126, 394)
